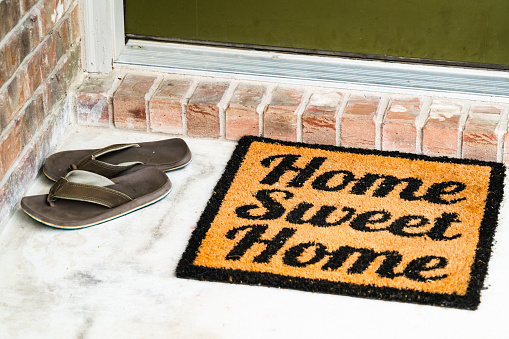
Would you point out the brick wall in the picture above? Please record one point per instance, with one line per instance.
(221, 108)
(40, 50)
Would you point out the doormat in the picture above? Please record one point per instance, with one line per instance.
(364, 223)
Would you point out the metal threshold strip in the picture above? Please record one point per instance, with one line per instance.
(475, 84)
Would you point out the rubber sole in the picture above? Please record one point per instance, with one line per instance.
(102, 221)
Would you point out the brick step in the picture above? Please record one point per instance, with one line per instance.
(222, 108)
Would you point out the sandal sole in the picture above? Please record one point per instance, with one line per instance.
(101, 221)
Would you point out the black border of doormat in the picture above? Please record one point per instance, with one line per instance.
(470, 301)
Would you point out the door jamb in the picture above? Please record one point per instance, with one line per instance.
(103, 34)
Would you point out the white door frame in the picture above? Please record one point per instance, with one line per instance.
(103, 34)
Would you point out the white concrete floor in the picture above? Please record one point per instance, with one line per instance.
(117, 280)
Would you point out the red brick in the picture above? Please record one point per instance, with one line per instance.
(241, 115)
(441, 132)
(66, 4)
(73, 64)
(75, 24)
(3, 167)
(11, 57)
(26, 5)
(25, 171)
(48, 52)
(5, 110)
(30, 37)
(358, 123)
(92, 100)
(98, 83)
(60, 82)
(48, 16)
(399, 131)
(33, 69)
(505, 155)
(129, 102)
(33, 117)
(203, 109)
(16, 48)
(5, 208)
(166, 106)
(480, 139)
(10, 12)
(11, 145)
(62, 36)
(43, 145)
(4, 72)
(17, 94)
(280, 117)
(319, 118)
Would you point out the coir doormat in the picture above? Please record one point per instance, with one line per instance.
(353, 222)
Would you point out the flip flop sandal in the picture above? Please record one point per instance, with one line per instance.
(165, 155)
(83, 199)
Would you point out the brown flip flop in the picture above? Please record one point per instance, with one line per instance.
(83, 199)
(165, 155)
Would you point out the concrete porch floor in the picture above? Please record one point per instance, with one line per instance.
(117, 279)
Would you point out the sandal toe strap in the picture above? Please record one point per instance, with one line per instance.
(92, 164)
(65, 189)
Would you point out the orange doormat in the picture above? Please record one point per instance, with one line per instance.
(373, 224)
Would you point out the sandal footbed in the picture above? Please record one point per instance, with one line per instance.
(165, 155)
(145, 186)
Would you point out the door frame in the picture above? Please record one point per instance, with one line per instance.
(105, 43)
(103, 34)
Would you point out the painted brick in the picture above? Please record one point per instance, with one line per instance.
(399, 131)
(280, 117)
(241, 115)
(129, 102)
(358, 123)
(92, 100)
(480, 139)
(166, 106)
(10, 12)
(442, 130)
(203, 109)
(319, 118)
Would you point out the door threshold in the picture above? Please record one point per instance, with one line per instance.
(321, 71)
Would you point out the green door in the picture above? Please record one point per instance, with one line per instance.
(454, 31)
